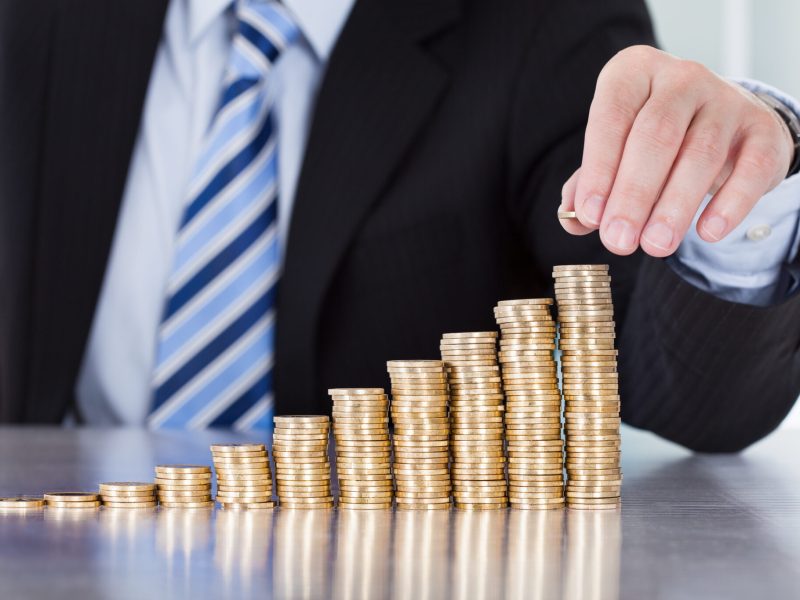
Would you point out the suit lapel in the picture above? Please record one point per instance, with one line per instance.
(102, 56)
(379, 89)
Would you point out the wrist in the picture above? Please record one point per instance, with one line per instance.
(791, 127)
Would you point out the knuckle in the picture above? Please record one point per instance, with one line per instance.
(633, 189)
(637, 54)
(706, 146)
(660, 129)
(762, 162)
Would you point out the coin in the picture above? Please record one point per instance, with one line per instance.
(21, 502)
(68, 497)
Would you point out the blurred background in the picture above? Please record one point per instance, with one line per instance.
(736, 38)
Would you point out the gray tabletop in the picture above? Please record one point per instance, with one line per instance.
(690, 527)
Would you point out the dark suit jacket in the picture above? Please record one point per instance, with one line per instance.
(443, 132)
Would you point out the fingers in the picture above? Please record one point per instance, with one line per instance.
(651, 149)
(758, 168)
(701, 159)
(572, 226)
(620, 94)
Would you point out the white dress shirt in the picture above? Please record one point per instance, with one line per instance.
(114, 384)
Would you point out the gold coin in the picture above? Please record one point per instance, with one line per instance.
(297, 420)
(128, 487)
(373, 506)
(182, 470)
(21, 502)
(355, 391)
(73, 504)
(247, 506)
(237, 448)
(71, 497)
(187, 505)
(128, 496)
(307, 505)
(184, 477)
(112, 504)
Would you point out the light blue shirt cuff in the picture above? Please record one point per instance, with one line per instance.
(749, 266)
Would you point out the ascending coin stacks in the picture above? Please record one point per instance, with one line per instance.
(421, 433)
(363, 447)
(302, 467)
(128, 494)
(184, 486)
(477, 469)
(244, 476)
(533, 403)
(590, 384)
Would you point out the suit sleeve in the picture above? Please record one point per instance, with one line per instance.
(712, 375)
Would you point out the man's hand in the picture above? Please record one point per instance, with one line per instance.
(662, 133)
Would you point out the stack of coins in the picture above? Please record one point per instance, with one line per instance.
(477, 469)
(421, 434)
(363, 447)
(184, 486)
(128, 494)
(21, 503)
(302, 467)
(533, 403)
(590, 384)
(244, 477)
(72, 499)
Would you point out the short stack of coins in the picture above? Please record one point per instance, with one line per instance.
(590, 384)
(421, 434)
(363, 447)
(302, 466)
(72, 500)
(21, 503)
(478, 463)
(244, 476)
(184, 486)
(533, 403)
(129, 494)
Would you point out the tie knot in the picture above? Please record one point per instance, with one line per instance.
(264, 30)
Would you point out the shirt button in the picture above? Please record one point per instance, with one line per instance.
(759, 232)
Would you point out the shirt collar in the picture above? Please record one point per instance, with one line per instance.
(201, 13)
(320, 21)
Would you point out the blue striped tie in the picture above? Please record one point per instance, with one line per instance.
(216, 338)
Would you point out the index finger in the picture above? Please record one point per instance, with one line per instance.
(620, 94)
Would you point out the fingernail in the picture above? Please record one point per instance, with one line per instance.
(659, 235)
(715, 226)
(620, 234)
(592, 209)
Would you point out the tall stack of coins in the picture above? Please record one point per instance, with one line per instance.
(128, 495)
(184, 486)
(302, 467)
(421, 434)
(477, 469)
(72, 499)
(244, 477)
(533, 403)
(363, 447)
(590, 384)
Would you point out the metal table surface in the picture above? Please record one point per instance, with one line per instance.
(690, 527)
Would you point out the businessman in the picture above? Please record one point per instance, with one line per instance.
(212, 208)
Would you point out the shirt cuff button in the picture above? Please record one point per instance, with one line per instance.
(759, 232)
